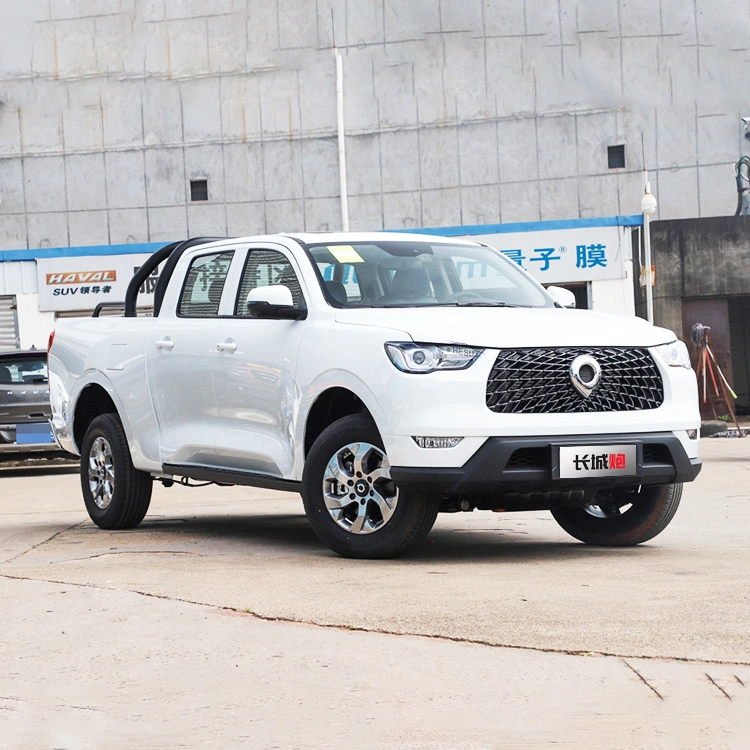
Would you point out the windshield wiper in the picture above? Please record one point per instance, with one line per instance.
(485, 303)
(405, 304)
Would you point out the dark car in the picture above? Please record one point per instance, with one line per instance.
(24, 403)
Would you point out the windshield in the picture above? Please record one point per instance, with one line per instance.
(20, 369)
(415, 274)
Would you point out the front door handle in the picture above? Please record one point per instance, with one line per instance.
(167, 344)
(226, 346)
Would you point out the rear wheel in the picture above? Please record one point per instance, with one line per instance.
(622, 518)
(117, 495)
(350, 499)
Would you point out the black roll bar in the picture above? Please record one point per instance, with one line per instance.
(103, 306)
(131, 295)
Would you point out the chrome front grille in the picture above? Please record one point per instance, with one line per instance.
(537, 381)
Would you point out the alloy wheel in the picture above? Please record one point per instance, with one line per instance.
(611, 505)
(358, 490)
(101, 473)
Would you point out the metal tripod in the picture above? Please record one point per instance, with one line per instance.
(707, 365)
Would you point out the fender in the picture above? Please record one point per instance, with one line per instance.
(143, 442)
(335, 378)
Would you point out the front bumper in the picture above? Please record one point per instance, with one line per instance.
(531, 465)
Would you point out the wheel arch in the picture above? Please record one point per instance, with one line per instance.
(93, 400)
(330, 405)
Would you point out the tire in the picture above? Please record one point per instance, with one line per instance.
(116, 494)
(363, 514)
(624, 518)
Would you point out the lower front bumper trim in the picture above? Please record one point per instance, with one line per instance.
(495, 468)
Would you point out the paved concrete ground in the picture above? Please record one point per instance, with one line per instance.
(222, 622)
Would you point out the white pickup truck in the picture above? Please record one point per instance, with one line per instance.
(385, 377)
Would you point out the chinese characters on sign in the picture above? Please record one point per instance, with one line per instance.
(106, 289)
(598, 461)
(587, 256)
(554, 256)
(516, 256)
(149, 285)
(546, 256)
(595, 461)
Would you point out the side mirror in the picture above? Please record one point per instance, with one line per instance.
(274, 302)
(563, 297)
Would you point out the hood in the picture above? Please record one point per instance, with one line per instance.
(509, 327)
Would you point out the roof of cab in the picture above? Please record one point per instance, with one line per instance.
(322, 238)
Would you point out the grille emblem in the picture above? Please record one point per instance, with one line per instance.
(585, 374)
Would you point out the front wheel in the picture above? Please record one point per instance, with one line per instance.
(116, 494)
(350, 499)
(622, 518)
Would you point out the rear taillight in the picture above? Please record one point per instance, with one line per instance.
(51, 339)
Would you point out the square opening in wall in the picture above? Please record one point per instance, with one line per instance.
(616, 157)
(198, 190)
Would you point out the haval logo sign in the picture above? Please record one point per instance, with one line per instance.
(81, 282)
(82, 277)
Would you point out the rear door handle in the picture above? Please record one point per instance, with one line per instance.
(167, 344)
(226, 346)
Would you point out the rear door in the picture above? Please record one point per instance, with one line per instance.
(181, 352)
(254, 373)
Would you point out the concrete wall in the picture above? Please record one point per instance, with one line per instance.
(696, 258)
(456, 113)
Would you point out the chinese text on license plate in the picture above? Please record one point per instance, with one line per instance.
(597, 461)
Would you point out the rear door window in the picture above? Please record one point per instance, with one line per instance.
(204, 284)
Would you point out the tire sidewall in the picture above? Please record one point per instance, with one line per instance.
(109, 427)
(649, 515)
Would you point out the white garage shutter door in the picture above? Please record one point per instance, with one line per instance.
(8, 325)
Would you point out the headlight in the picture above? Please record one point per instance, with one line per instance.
(674, 354)
(423, 358)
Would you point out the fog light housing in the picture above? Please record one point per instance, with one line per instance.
(692, 434)
(437, 442)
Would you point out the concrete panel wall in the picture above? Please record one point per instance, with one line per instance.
(707, 258)
(456, 113)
